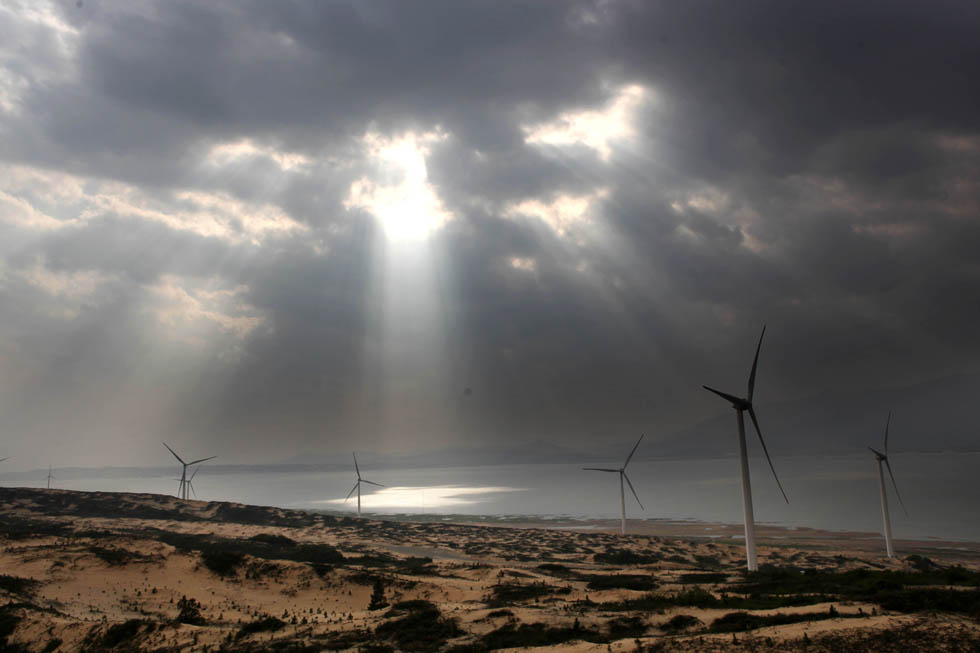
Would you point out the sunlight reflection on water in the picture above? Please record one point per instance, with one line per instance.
(439, 496)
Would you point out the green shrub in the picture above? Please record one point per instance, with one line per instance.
(509, 593)
(419, 630)
(220, 560)
(264, 624)
(680, 622)
(639, 582)
(189, 612)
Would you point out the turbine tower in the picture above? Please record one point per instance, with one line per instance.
(182, 489)
(50, 477)
(742, 406)
(357, 486)
(883, 458)
(622, 492)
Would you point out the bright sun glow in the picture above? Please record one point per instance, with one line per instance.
(402, 199)
(439, 496)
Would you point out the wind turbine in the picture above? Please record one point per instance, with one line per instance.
(50, 476)
(883, 458)
(622, 492)
(182, 490)
(190, 482)
(741, 406)
(357, 486)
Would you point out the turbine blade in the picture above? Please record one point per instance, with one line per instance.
(356, 468)
(633, 491)
(632, 452)
(3, 459)
(887, 421)
(755, 422)
(372, 483)
(724, 395)
(194, 474)
(877, 453)
(895, 485)
(193, 491)
(755, 364)
(352, 490)
(174, 453)
(201, 460)
(600, 469)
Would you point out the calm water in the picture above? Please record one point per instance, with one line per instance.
(941, 491)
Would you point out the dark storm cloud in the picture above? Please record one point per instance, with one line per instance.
(811, 165)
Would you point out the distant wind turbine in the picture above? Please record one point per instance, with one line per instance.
(190, 482)
(357, 486)
(182, 490)
(50, 477)
(741, 406)
(883, 458)
(622, 492)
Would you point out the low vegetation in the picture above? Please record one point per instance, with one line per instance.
(638, 582)
(505, 594)
(423, 628)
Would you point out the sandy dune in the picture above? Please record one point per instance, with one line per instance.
(106, 571)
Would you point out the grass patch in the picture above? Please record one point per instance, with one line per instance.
(125, 632)
(220, 560)
(511, 593)
(679, 623)
(422, 629)
(702, 578)
(17, 584)
(530, 635)
(736, 622)
(627, 557)
(114, 557)
(555, 569)
(266, 624)
(700, 598)
(623, 627)
(639, 582)
(900, 591)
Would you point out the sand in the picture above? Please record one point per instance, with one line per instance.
(107, 571)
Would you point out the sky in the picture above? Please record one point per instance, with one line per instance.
(271, 230)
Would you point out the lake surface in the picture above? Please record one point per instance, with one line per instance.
(941, 491)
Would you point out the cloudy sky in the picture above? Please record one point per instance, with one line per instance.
(269, 229)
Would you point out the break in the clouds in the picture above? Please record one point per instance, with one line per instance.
(264, 229)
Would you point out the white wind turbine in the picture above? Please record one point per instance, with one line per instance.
(50, 477)
(883, 458)
(182, 489)
(622, 491)
(357, 486)
(741, 406)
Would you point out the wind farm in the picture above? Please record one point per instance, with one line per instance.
(511, 257)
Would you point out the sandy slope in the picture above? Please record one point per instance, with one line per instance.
(101, 560)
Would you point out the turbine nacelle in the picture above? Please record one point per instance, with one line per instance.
(880, 456)
(744, 405)
(883, 458)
